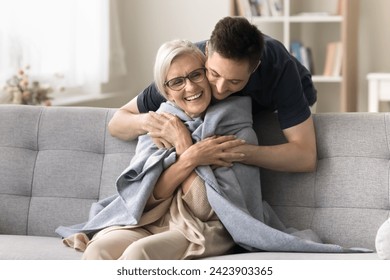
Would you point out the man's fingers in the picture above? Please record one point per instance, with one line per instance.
(230, 157)
(230, 139)
(227, 142)
(231, 144)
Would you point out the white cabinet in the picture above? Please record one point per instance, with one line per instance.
(315, 24)
(378, 90)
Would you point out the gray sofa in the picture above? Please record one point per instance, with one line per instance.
(56, 161)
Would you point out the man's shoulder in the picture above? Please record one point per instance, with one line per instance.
(202, 45)
(273, 47)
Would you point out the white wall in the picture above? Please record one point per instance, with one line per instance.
(374, 45)
(148, 23)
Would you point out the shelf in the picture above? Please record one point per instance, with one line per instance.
(314, 25)
(296, 19)
(315, 19)
(265, 19)
(327, 79)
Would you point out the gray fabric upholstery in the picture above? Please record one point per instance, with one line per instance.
(56, 161)
(347, 199)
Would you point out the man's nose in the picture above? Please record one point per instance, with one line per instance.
(221, 85)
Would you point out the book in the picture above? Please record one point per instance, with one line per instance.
(276, 7)
(305, 60)
(338, 60)
(248, 8)
(254, 8)
(333, 59)
(311, 60)
(244, 8)
(340, 7)
(295, 50)
(329, 59)
(263, 8)
(303, 54)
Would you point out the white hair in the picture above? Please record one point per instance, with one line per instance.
(166, 54)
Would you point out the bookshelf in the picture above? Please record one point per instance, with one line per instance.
(315, 24)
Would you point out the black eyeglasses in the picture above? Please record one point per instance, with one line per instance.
(179, 83)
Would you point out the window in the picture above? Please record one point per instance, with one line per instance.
(58, 38)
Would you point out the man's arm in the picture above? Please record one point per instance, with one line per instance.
(165, 129)
(299, 154)
(127, 123)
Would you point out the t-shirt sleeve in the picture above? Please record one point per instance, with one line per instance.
(292, 105)
(149, 99)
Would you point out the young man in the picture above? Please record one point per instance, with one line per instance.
(240, 60)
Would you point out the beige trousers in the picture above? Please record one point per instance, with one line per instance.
(137, 244)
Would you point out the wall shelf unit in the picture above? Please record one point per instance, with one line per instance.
(314, 24)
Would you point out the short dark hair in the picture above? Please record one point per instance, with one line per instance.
(236, 38)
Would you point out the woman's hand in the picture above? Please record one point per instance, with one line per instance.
(168, 131)
(213, 151)
(210, 151)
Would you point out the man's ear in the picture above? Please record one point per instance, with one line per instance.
(206, 49)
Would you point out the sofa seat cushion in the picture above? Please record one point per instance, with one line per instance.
(23, 247)
(296, 256)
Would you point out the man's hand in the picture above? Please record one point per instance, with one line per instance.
(167, 130)
(214, 151)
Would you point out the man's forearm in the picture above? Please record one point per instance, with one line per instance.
(126, 126)
(288, 157)
(299, 154)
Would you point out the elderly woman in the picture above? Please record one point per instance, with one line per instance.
(170, 203)
(176, 222)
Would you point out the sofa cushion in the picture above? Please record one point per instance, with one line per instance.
(346, 199)
(295, 256)
(55, 162)
(21, 247)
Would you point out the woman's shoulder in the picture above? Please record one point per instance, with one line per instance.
(238, 107)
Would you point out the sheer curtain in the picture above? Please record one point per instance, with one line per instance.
(69, 38)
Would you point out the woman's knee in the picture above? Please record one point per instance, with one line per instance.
(138, 250)
(100, 250)
(111, 244)
(93, 251)
(162, 246)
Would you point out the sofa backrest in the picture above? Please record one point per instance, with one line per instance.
(347, 198)
(56, 161)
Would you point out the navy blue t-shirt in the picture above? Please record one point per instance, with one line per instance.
(279, 84)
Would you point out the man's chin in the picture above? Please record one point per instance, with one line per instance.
(219, 97)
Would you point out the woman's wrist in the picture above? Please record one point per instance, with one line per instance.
(183, 143)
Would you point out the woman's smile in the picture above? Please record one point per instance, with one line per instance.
(193, 97)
